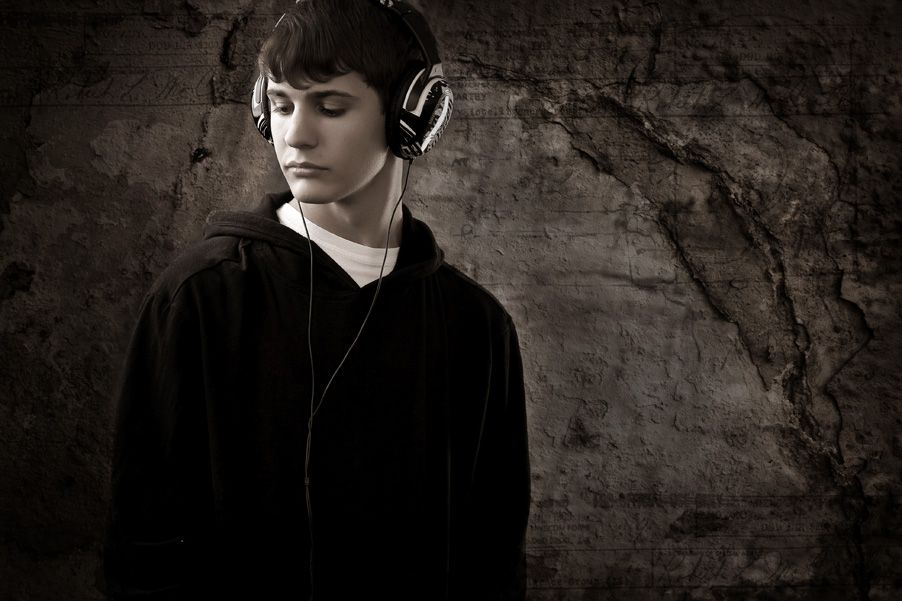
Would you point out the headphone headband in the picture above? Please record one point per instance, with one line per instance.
(419, 28)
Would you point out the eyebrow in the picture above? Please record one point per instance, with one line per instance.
(320, 94)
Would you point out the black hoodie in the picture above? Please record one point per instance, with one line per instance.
(419, 463)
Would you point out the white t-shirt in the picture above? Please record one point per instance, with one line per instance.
(361, 262)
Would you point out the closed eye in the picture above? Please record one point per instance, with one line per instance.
(286, 109)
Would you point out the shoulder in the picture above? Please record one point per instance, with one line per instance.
(472, 299)
(196, 266)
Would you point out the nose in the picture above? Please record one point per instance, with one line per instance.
(301, 130)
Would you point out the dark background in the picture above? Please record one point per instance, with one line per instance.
(691, 209)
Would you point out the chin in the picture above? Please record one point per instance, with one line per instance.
(311, 194)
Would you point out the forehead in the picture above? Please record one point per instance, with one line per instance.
(349, 85)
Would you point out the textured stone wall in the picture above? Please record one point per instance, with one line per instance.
(691, 209)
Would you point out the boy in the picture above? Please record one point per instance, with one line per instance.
(281, 434)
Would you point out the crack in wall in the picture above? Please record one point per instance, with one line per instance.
(230, 42)
(764, 240)
(795, 383)
(848, 482)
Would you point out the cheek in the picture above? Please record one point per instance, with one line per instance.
(278, 145)
(363, 145)
(368, 130)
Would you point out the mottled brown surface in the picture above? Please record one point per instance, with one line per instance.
(691, 209)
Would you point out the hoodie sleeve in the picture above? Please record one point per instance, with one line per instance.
(160, 475)
(503, 484)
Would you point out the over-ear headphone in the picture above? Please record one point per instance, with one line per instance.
(420, 104)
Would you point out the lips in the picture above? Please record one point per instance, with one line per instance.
(305, 165)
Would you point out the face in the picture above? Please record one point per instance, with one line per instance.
(338, 125)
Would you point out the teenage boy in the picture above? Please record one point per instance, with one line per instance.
(314, 403)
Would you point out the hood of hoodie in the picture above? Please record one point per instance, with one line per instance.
(420, 255)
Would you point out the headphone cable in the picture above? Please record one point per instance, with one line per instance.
(310, 353)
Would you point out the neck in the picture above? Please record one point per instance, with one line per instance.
(362, 217)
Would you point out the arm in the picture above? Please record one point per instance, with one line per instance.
(160, 460)
(502, 488)
(515, 496)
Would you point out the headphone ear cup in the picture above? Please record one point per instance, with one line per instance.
(400, 135)
(412, 134)
(437, 108)
(260, 108)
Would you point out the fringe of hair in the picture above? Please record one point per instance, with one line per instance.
(317, 40)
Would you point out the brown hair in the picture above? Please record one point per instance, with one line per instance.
(321, 39)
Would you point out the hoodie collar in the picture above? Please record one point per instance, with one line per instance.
(420, 255)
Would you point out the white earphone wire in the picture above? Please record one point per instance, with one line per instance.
(310, 352)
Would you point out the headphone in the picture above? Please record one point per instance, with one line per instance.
(420, 104)
(419, 108)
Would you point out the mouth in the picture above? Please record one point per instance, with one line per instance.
(305, 165)
(305, 170)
